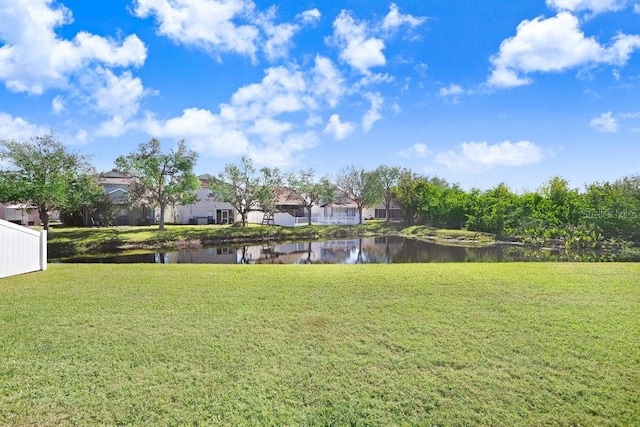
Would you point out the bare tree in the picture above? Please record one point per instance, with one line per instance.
(245, 189)
(388, 177)
(161, 178)
(360, 186)
(302, 187)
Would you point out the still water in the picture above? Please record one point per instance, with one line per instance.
(355, 251)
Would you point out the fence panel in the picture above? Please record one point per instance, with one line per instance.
(21, 250)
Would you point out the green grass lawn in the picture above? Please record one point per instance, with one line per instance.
(420, 344)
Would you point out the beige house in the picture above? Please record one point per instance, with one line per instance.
(20, 214)
(206, 210)
(117, 185)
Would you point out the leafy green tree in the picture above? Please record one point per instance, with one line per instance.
(388, 177)
(161, 179)
(304, 188)
(561, 205)
(444, 205)
(42, 174)
(360, 186)
(246, 190)
(492, 210)
(613, 209)
(86, 200)
(408, 194)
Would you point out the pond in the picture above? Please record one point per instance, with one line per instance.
(354, 251)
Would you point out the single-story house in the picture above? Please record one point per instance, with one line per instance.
(20, 214)
(291, 211)
(380, 212)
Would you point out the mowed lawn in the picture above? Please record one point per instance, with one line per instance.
(430, 344)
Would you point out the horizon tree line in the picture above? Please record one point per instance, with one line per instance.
(42, 173)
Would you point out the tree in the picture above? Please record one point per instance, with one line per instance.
(408, 194)
(388, 177)
(493, 210)
(161, 179)
(86, 200)
(41, 173)
(360, 186)
(245, 189)
(303, 187)
(613, 209)
(563, 206)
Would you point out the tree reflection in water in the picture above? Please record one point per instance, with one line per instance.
(388, 249)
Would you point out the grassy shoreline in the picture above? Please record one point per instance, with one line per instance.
(421, 344)
(77, 241)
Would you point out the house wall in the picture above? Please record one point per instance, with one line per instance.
(205, 207)
(19, 215)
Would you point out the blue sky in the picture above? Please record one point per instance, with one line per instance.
(477, 92)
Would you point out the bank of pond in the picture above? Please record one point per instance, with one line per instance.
(370, 250)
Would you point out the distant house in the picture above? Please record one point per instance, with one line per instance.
(206, 210)
(117, 186)
(291, 212)
(341, 207)
(380, 212)
(20, 214)
(287, 203)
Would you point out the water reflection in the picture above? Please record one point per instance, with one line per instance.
(357, 251)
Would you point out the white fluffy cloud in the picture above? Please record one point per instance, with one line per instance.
(282, 153)
(282, 90)
(221, 26)
(19, 128)
(608, 122)
(58, 105)
(117, 95)
(394, 19)
(278, 36)
(113, 127)
(310, 16)
(210, 24)
(373, 114)
(552, 45)
(361, 43)
(357, 48)
(252, 122)
(338, 129)
(415, 151)
(476, 156)
(605, 123)
(451, 90)
(593, 6)
(328, 83)
(265, 119)
(205, 132)
(34, 58)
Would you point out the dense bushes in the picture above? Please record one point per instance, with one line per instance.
(555, 211)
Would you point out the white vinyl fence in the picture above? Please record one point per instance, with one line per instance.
(21, 250)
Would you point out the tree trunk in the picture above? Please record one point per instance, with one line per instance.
(44, 217)
(387, 206)
(360, 213)
(309, 213)
(244, 218)
(162, 206)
